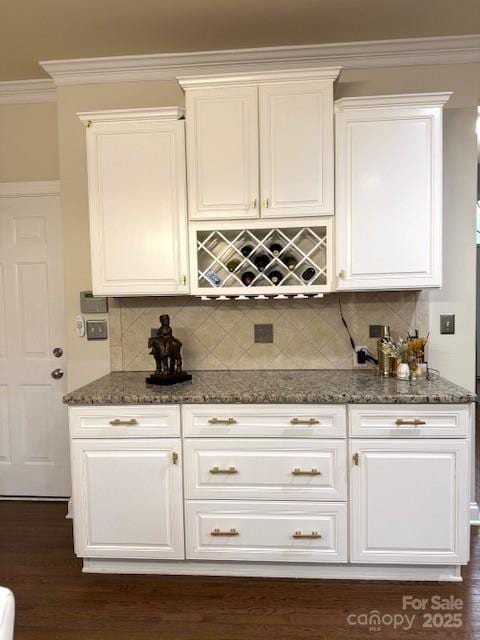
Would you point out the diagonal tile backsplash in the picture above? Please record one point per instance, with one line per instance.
(307, 334)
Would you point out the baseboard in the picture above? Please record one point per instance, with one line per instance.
(474, 514)
(446, 573)
(69, 515)
(33, 499)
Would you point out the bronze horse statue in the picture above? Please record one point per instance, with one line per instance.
(166, 349)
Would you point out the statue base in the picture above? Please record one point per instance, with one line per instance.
(173, 378)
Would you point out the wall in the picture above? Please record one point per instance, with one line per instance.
(28, 142)
(454, 356)
(307, 334)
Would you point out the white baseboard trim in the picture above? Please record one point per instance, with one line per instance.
(69, 515)
(32, 499)
(474, 514)
(447, 573)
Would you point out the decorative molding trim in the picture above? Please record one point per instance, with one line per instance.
(389, 101)
(126, 115)
(19, 189)
(447, 573)
(264, 77)
(349, 55)
(23, 91)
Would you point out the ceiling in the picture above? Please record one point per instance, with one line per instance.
(33, 30)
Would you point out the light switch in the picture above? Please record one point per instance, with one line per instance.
(447, 323)
(97, 330)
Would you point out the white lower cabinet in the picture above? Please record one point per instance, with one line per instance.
(409, 501)
(263, 489)
(127, 497)
(266, 531)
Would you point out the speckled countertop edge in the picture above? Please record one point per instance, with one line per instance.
(270, 387)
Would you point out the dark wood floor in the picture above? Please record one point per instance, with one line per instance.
(56, 601)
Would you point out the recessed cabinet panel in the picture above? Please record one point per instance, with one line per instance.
(296, 148)
(409, 501)
(137, 192)
(389, 192)
(127, 497)
(222, 153)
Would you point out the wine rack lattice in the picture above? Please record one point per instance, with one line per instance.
(281, 258)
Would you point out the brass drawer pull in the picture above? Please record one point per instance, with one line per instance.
(127, 423)
(415, 422)
(313, 536)
(217, 533)
(309, 472)
(230, 470)
(222, 421)
(304, 421)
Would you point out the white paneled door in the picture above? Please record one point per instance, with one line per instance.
(33, 422)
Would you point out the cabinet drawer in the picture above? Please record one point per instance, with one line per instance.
(266, 531)
(265, 469)
(264, 420)
(124, 421)
(410, 421)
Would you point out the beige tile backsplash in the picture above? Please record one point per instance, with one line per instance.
(307, 334)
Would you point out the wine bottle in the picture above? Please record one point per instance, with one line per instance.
(261, 261)
(214, 278)
(291, 262)
(308, 274)
(246, 250)
(232, 264)
(275, 248)
(275, 277)
(247, 278)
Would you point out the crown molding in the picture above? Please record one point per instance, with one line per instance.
(126, 115)
(263, 77)
(19, 189)
(349, 55)
(23, 91)
(438, 99)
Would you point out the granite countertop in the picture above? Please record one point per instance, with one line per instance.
(272, 387)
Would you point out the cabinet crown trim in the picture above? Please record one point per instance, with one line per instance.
(396, 101)
(261, 77)
(115, 115)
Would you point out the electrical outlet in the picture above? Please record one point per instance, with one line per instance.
(375, 330)
(264, 333)
(357, 357)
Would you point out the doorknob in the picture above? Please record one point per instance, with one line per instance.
(57, 374)
(58, 352)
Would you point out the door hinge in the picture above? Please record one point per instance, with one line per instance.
(355, 459)
(174, 457)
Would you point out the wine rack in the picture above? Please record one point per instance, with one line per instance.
(261, 260)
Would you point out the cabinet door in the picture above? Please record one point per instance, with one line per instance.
(296, 149)
(138, 219)
(409, 502)
(127, 497)
(222, 153)
(389, 194)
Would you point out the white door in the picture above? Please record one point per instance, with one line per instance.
(389, 192)
(296, 149)
(137, 201)
(222, 153)
(127, 497)
(409, 501)
(34, 457)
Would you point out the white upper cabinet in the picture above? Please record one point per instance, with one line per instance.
(389, 191)
(222, 135)
(260, 145)
(296, 148)
(137, 198)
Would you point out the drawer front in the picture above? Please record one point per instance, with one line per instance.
(410, 421)
(124, 421)
(266, 531)
(264, 420)
(265, 469)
